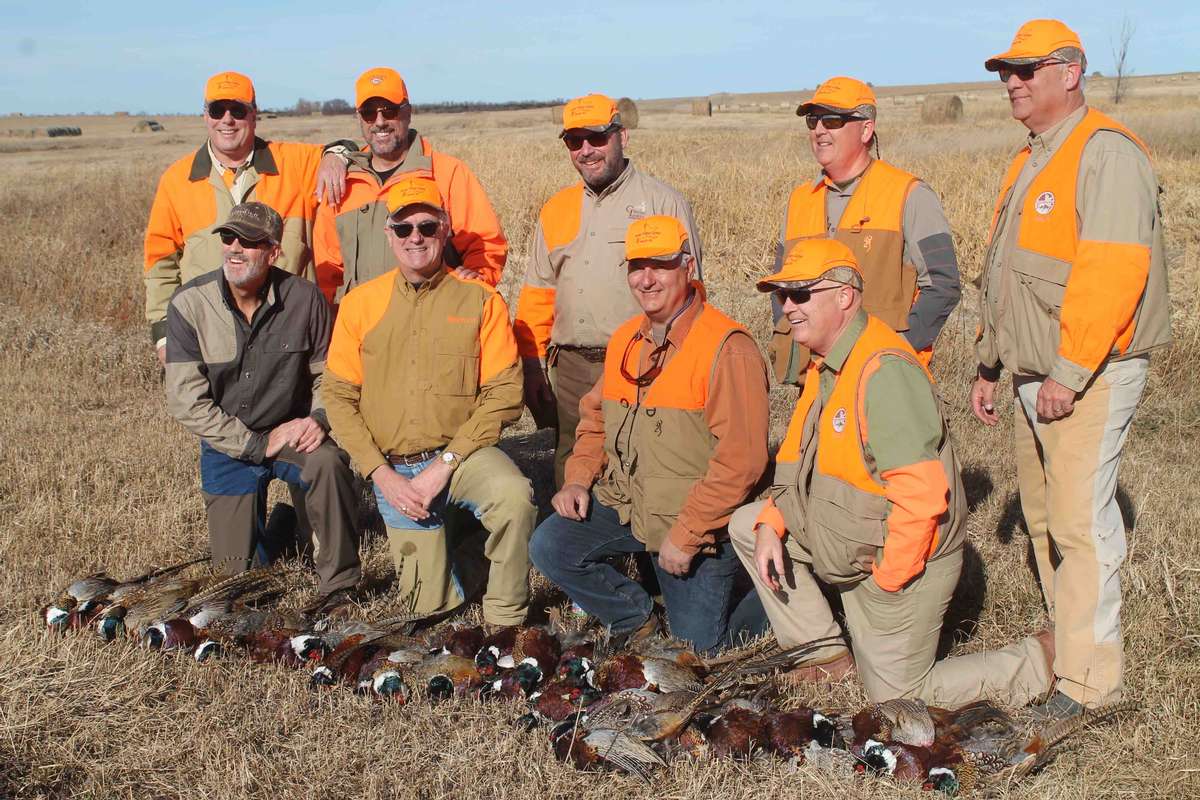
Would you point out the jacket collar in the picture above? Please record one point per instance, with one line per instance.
(835, 359)
(616, 184)
(1046, 142)
(261, 161)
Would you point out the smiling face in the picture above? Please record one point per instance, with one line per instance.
(419, 256)
(1049, 95)
(246, 267)
(817, 323)
(660, 287)
(840, 151)
(598, 166)
(232, 139)
(387, 138)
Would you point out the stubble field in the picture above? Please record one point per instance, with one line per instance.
(94, 475)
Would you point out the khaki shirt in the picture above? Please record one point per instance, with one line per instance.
(585, 275)
(415, 368)
(1115, 200)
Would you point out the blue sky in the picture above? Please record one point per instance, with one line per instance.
(67, 57)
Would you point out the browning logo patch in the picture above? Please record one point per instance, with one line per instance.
(867, 243)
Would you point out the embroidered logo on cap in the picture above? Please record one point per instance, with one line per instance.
(839, 420)
(1044, 203)
(376, 80)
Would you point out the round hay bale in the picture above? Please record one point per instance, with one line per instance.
(940, 108)
(628, 111)
(702, 107)
(556, 114)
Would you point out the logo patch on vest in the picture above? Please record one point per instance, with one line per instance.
(1044, 203)
(839, 420)
(867, 243)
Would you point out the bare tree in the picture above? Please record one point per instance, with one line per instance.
(1121, 60)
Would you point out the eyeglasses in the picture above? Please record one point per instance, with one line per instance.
(427, 228)
(1024, 72)
(655, 368)
(574, 141)
(227, 237)
(217, 109)
(800, 296)
(831, 121)
(389, 111)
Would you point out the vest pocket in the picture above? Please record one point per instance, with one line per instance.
(662, 498)
(846, 529)
(1037, 289)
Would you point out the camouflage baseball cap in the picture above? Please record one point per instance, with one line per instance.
(255, 221)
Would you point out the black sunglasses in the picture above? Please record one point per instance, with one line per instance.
(652, 372)
(800, 296)
(1025, 71)
(574, 141)
(217, 109)
(228, 237)
(389, 111)
(427, 228)
(832, 121)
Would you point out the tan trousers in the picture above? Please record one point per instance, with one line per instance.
(572, 376)
(894, 634)
(489, 485)
(1067, 472)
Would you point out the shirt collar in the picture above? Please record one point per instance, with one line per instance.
(1048, 140)
(682, 323)
(616, 184)
(221, 167)
(848, 187)
(268, 292)
(835, 359)
(407, 289)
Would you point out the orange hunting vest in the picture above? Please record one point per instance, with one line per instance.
(826, 485)
(658, 448)
(1046, 247)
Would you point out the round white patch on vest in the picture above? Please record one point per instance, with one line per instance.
(839, 420)
(1044, 203)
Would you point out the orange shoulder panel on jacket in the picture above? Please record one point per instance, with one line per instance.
(360, 311)
(497, 345)
(292, 193)
(535, 320)
(180, 208)
(560, 217)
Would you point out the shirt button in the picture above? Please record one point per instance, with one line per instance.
(247, 374)
(580, 291)
(581, 320)
(593, 233)
(249, 347)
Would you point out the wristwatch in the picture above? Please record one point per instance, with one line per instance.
(451, 460)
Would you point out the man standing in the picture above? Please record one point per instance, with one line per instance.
(422, 375)
(867, 499)
(575, 292)
(1074, 298)
(891, 220)
(673, 438)
(196, 193)
(246, 346)
(351, 243)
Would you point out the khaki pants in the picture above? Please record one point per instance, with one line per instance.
(894, 634)
(489, 485)
(235, 496)
(572, 376)
(1067, 472)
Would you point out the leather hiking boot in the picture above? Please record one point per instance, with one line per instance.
(828, 671)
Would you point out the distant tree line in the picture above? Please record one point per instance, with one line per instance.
(337, 105)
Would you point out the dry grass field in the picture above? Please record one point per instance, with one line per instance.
(93, 474)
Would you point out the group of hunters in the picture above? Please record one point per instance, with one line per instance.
(323, 309)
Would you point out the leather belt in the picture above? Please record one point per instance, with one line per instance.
(593, 354)
(413, 459)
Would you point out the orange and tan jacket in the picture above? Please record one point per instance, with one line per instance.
(575, 291)
(350, 242)
(413, 369)
(866, 479)
(194, 196)
(872, 226)
(1075, 271)
(676, 458)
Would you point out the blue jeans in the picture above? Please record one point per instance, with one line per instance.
(574, 555)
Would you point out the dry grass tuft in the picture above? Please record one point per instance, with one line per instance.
(94, 475)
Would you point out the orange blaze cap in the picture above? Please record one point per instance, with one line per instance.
(382, 82)
(596, 112)
(660, 237)
(840, 94)
(1034, 41)
(413, 191)
(811, 260)
(229, 86)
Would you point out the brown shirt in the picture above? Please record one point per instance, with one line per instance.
(737, 413)
(415, 368)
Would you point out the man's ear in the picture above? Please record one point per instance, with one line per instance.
(868, 130)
